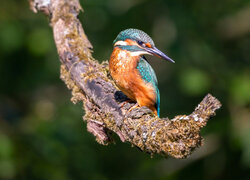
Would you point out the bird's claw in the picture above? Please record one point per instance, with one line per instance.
(133, 107)
(125, 102)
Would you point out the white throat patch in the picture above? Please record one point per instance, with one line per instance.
(138, 53)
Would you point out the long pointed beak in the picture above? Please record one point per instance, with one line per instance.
(156, 52)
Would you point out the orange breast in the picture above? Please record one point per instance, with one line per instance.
(126, 76)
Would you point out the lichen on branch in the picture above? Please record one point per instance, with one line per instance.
(91, 83)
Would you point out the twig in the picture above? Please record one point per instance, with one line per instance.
(90, 83)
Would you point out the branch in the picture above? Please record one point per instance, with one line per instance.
(91, 83)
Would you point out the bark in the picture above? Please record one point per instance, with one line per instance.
(91, 83)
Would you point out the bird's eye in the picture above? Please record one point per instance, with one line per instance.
(141, 43)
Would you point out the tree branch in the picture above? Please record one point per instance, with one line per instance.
(91, 83)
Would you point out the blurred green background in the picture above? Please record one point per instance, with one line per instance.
(42, 135)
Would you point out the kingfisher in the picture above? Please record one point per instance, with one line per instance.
(131, 71)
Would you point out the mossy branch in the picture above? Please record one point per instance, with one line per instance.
(91, 83)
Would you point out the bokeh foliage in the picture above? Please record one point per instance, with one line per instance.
(42, 135)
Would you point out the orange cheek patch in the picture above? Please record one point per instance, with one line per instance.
(148, 45)
(130, 42)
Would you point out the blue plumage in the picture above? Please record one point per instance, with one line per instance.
(147, 73)
(134, 34)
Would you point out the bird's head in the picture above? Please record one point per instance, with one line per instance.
(138, 43)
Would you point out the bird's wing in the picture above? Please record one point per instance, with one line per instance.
(147, 73)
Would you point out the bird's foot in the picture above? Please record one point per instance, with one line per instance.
(125, 102)
(133, 107)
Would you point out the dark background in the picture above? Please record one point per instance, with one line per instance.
(42, 135)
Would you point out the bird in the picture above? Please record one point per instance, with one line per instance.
(130, 70)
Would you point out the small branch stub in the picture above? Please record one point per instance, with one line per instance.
(90, 83)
